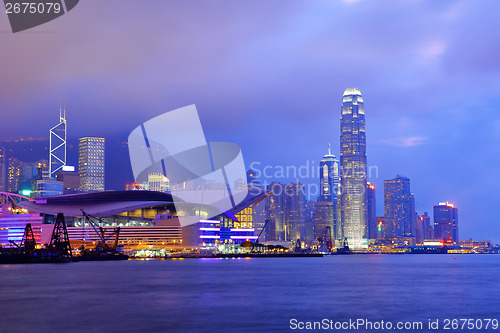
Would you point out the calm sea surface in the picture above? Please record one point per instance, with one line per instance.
(247, 295)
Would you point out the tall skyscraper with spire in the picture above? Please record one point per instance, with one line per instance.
(329, 177)
(325, 209)
(353, 169)
(57, 144)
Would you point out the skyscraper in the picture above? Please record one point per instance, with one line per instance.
(3, 170)
(419, 229)
(70, 180)
(371, 218)
(325, 209)
(446, 222)
(307, 232)
(381, 227)
(399, 206)
(428, 229)
(295, 211)
(30, 174)
(353, 169)
(275, 206)
(91, 164)
(329, 177)
(57, 145)
(324, 216)
(14, 172)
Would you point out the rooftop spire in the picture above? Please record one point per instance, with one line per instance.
(329, 148)
(62, 111)
(57, 143)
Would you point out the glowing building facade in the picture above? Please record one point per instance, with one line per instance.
(158, 183)
(324, 216)
(12, 227)
(328, 177)
(145, 218)
(295, 212)
(399, 206)
(446, 222)
(245, 217)
(3, 170)
(14, 171)
(91, 164)
(353, 169)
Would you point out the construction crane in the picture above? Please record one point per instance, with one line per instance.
(102, 243)
(117, 236)
(260, 233)
(326, 239)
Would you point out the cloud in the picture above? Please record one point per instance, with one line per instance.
(434, 49)
(405, 142)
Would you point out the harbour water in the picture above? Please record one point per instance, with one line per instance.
(244, 295)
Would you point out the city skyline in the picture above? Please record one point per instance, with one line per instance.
(329, 179)
(299, 165)
(424, 82)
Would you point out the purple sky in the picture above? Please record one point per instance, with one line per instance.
(269, 75)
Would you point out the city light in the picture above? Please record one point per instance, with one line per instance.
(244, 237)
(210, 221)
